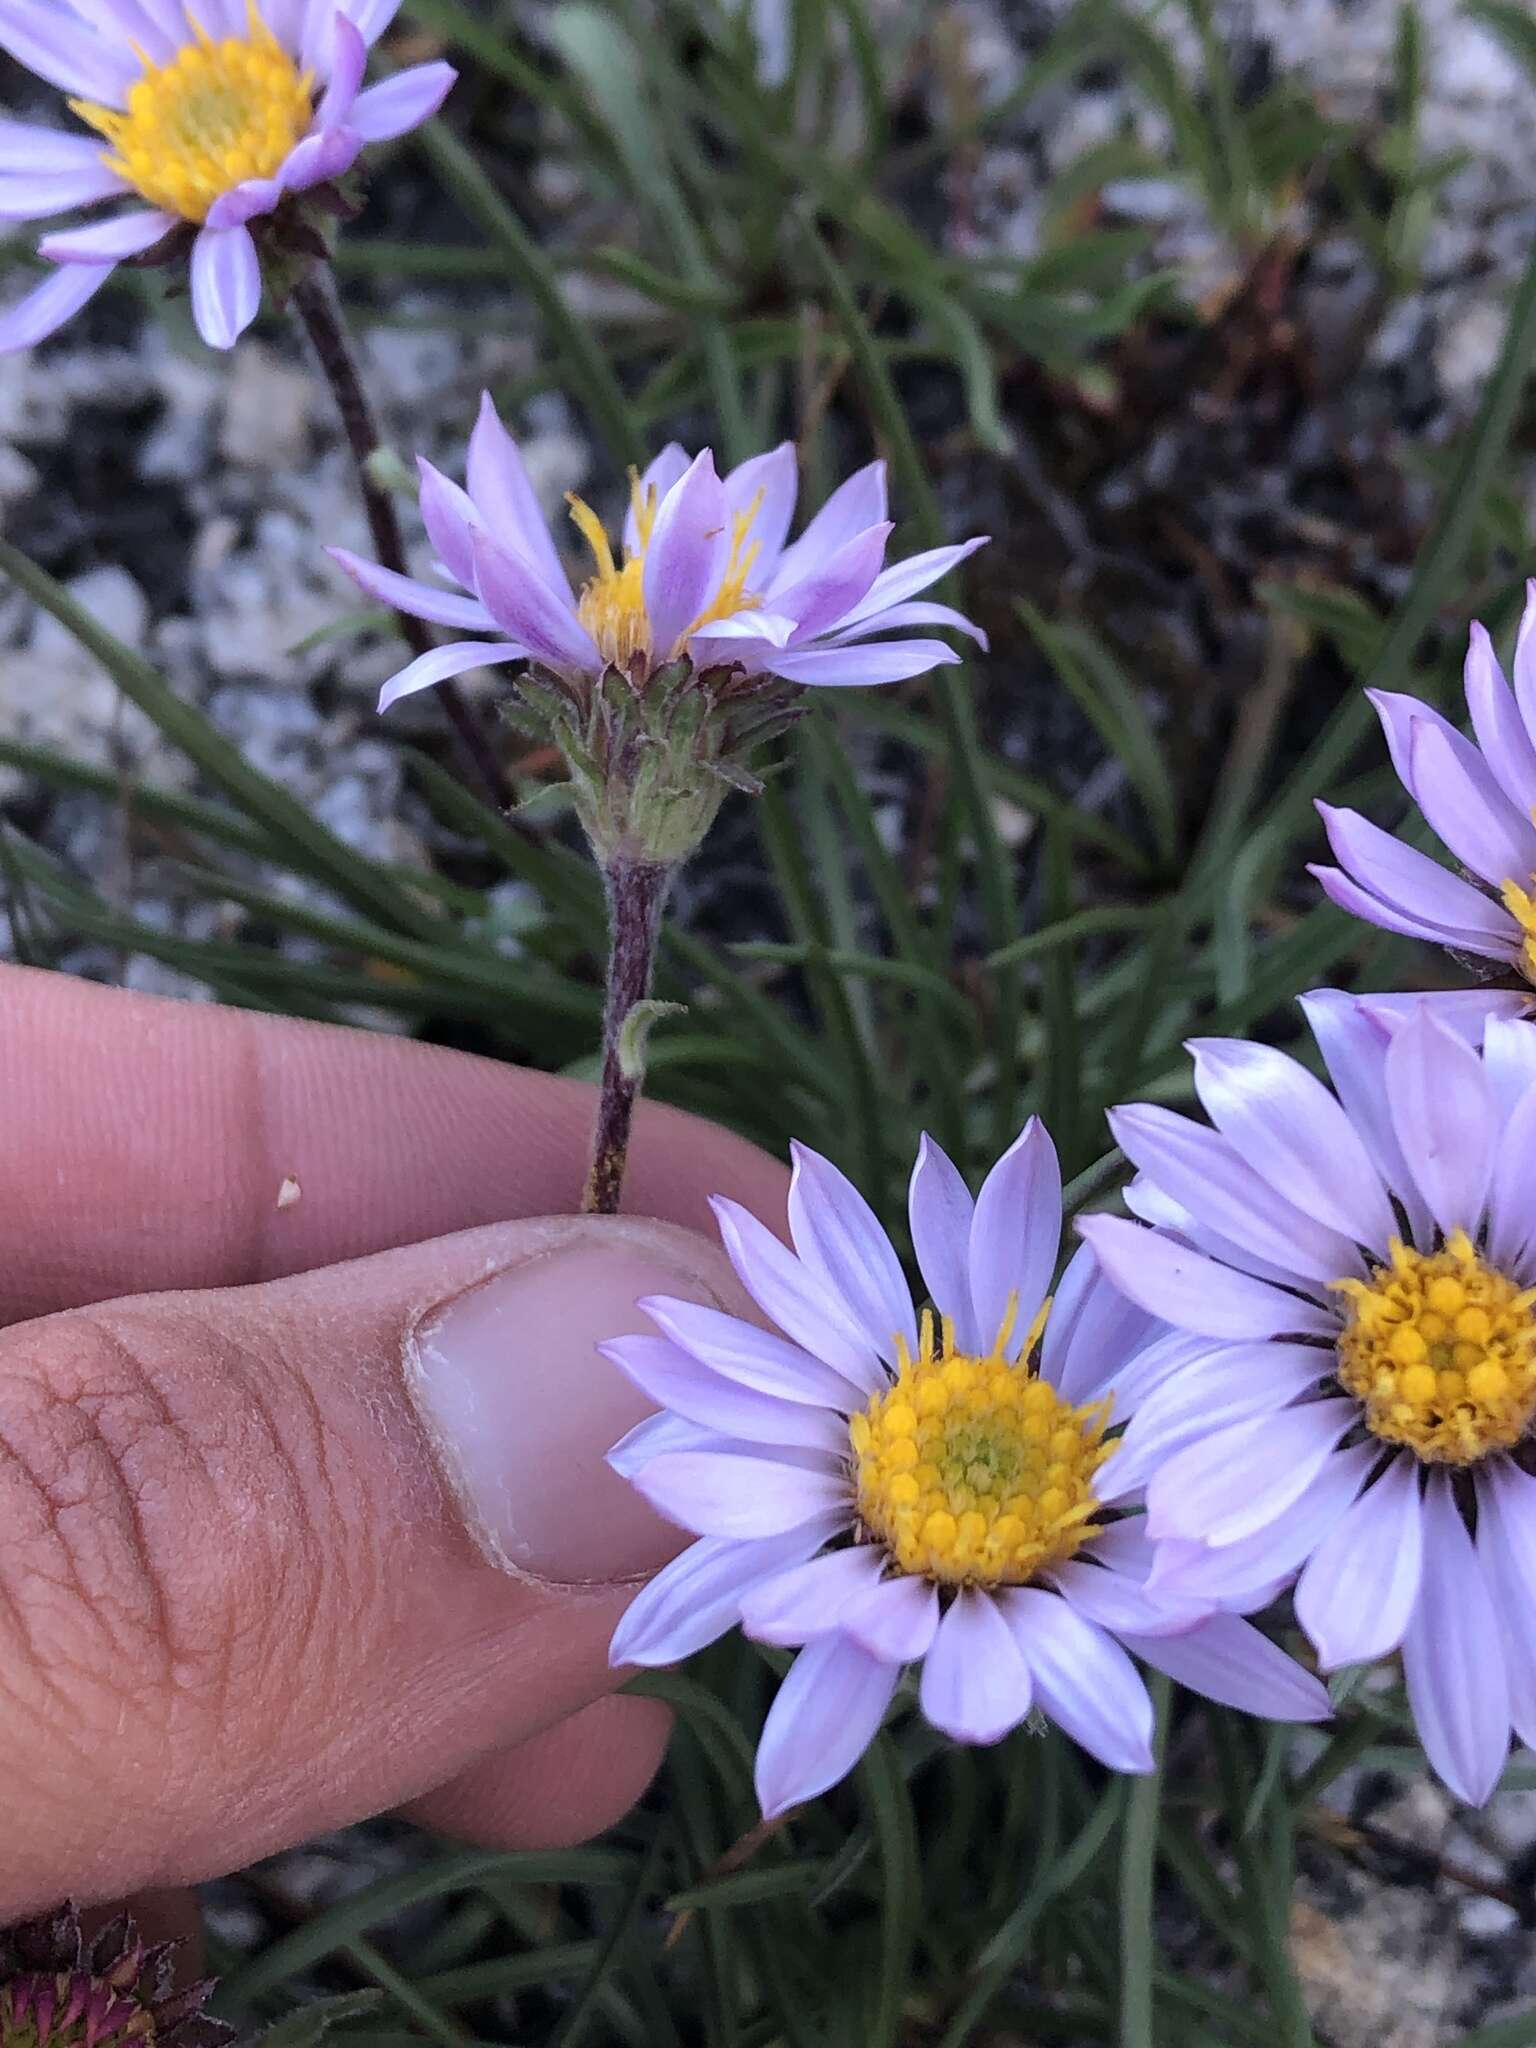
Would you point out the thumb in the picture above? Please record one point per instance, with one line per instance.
(276, 1557)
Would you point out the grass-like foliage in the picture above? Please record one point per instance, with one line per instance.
(960, 934)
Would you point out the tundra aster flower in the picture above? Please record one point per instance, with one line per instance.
(1357, 1270)
(214, 113)
(950, 1490)
(57, 1990)
(706, 574)
(1479, 798)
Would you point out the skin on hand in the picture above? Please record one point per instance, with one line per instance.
(302, 1501)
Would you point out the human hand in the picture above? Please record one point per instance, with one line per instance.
(257, 1458)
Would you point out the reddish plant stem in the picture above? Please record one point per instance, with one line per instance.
(637, 896)
(319, 312)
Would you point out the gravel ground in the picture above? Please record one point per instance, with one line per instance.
(186, 503)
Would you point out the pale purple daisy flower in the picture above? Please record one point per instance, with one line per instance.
(1356, 1272)
(214, 112)
(1479, 798)
(707, 572)
(886, 1493)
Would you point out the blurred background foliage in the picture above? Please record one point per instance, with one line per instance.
(1015, 886)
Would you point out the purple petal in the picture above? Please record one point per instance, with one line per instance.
(1349, 897)
(401, 103)
(904, 615)
(525, 607)
(759, 1359)
(1083, 1679)
(316, 160)
(1361, 1582)
(1249, 1573)
(653, 1437)
(795, 1299)
(502, 493)
(1443, 1113)
(679, 562)
(698, 1596)
(1233, 1482)
(349, 60)
(804, 1601)
(1467, 808)
(1016, 1236)
(1501, 733)
(777, 476)
(1525, 661)
(70, 56)
(1412, 884)
(667, 1375)
(1285, 1123)
(38, 195)
(975, 1684)
(46, 308)
(1506, 1549)
(838, 1236)
(726, 1493)
(939, 1208)
(1353, 1039)
(449, 515)
(852, 508)
(108, 241)
(1227, 1660)
(827, 1713)
(405, 594)
(902, 580)
(829, 590)
(1094, 1330)
(371, 16)
(33, 152)
(1453, 1657)
(246, 202)
(443, 662)
(1194, 1293)
(660, 474)
(860, 667)
(1509, 1053)
(1122, 1604)
(1512, 1194)
(894, 1620)
(1204, 1173)
(226, 285)
(1237, 1384)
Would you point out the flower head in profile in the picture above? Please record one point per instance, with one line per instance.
(705, 572)
(954, 1490)
(1478, 795)
(215, 115)
(1357, 1269)
(58, 1990)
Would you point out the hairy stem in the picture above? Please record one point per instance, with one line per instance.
(637, 895)
(319, 312)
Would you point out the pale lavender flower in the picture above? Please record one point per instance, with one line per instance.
(214, 112)
(1479, 798)
(885, 1493)
(707, 571)
(1356, 1273)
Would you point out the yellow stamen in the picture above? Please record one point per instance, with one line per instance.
(974, 1471)
(612, 603)
(215, 115)
(1521, 906)
(1441, 1350)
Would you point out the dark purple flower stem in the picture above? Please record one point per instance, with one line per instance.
(637, 896)
(319, 311)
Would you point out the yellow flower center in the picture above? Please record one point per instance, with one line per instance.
(973, 1471)
(1521, 906)
(1441, 1351)
(215, 115)
(612, 603)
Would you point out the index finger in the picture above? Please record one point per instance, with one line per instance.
(147, 1145)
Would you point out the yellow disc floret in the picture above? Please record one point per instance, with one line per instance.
(1441, 1350)
(1521, 905)
(612, 603)
(216, 114)
(974, 1471)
